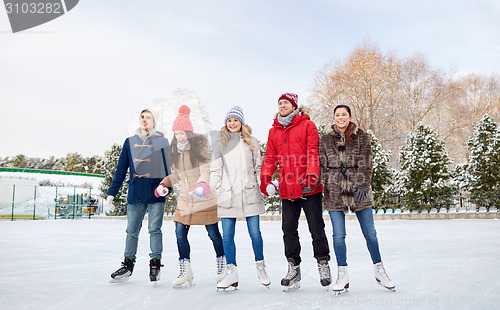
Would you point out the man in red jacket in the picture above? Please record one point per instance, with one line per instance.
(292, 145)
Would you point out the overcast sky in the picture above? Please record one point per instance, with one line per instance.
(75, 83)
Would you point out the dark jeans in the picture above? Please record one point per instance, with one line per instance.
(313, 209)
(181, 231)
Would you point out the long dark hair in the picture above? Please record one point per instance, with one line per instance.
(198, 152)
(348, 138)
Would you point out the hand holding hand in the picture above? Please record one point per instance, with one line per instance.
(265, 183)
(161, 190)
(201, 191)
(309, 184)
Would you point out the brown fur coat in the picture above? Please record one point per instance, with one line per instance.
(346, 166)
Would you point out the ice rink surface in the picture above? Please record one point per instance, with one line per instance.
(66, 264)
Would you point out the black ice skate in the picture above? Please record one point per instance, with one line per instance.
(292, 278)
(124, 272)
(325, 276)
(154, 270)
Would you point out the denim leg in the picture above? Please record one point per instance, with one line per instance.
(135, 216)
(228, 227)
(181, 233)
(253, 225)
(155, 221)
(365, 219)
(214, 234)
(339, 247)
(290, 214)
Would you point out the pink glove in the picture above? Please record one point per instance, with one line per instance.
(201, 191)
(161, 190)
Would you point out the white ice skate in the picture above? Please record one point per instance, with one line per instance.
(230, 280)
(221, 268)
(262, 274)
(342, 283)
(185, 274)
(382, 277)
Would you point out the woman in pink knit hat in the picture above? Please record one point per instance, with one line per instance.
(196, 204)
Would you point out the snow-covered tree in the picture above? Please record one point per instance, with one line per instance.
(74, 162)
(381, 175)
(483, 168)
(423, 180)
(107, 167)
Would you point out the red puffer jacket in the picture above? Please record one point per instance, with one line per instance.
(295, 150)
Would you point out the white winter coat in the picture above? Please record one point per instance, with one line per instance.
(237, 169)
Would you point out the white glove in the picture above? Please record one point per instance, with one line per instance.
(161, 190)
(109, 200)
(270, 189)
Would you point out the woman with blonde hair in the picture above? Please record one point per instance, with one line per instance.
(236, 163)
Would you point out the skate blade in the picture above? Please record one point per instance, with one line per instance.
(393, 289)
(231, 288)
(181, 286)
(120, 280)
(292, 287)
(338, 293)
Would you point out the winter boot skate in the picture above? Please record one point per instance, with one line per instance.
(262, 274)
(382, 277)
(292, 278)
(185, 274)
(342, 283)
(221, 268)
(231, 278)
(325, 276)
(154, 270)
(124, 272)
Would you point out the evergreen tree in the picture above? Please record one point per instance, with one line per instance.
(423, 180)
(483, 169)
(381, 175)
(107, 167)
(74, 163)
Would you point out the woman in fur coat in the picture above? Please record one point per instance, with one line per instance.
(347, 162)
(236, 164)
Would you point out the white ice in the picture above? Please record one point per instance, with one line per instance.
(66, 264)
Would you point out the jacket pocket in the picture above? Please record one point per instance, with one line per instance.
(252, 193)
(225, 197)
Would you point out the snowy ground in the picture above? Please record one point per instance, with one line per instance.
(65, 264)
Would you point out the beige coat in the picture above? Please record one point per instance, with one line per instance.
(191, 210)
(237, 169)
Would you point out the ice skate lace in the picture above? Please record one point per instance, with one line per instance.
(221, 262)
(292, 271)
(182, 269)
(381, 273)
(324, 271)
(261, 271)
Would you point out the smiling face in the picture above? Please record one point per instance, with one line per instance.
(146, 121)
(342, 118)
(181, 136)
(233, 124)
(285, 107)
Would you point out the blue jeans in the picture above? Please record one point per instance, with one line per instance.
(228, 228)
(181, 232)
(135, 216)
(365, 219)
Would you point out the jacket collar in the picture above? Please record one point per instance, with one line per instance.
(296, 120)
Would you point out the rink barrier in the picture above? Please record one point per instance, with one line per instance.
(276, 217)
